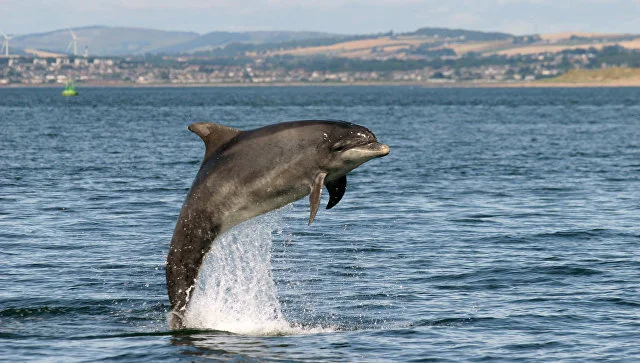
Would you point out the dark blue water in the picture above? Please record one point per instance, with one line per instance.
(504, 225)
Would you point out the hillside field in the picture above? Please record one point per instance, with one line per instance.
(610, 76)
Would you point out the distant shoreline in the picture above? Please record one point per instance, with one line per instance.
(528, 84)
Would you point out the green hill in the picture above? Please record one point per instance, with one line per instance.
(217, 39)
(121, 41)
(103, 41)
(467, 35)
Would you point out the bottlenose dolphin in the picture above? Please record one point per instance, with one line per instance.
(248, 173)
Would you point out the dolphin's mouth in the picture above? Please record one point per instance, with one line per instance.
(372, 149)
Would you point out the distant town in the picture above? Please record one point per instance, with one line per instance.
(185, 70)
(423, 57)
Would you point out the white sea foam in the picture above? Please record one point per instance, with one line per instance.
(236, 291)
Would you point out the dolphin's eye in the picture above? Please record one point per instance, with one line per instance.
(338, 147)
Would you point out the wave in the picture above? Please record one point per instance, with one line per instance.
(236, 291)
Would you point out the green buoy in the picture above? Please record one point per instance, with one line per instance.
(70, 89)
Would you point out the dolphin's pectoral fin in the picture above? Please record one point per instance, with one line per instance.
(213, 135)
(336, 190)
(314, 197)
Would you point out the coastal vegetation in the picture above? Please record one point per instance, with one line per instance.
(600, 76)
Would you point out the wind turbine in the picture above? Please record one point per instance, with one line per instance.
(5, 44)
(73, 43)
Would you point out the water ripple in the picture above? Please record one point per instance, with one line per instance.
(503, 225)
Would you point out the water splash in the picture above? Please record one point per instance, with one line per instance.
(236, 291)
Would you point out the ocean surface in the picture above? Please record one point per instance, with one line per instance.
(503, 226)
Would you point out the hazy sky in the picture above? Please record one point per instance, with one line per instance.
(348, 16)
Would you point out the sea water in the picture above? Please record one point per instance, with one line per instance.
(503, 225)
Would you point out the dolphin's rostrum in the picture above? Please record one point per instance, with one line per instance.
(248, 173)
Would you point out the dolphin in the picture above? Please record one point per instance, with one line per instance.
(247, 173)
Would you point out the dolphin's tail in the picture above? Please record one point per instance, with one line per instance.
(176, 321)
(191, 240)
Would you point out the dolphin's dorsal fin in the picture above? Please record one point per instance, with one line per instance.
(213, 135)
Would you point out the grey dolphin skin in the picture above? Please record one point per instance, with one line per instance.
(248, 173)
